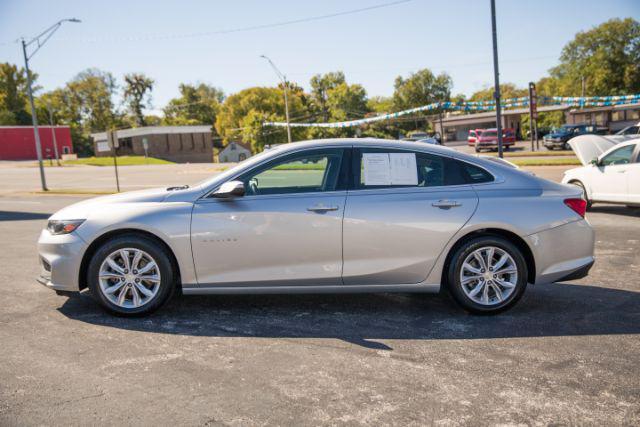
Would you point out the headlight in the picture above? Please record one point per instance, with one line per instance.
(63, 226)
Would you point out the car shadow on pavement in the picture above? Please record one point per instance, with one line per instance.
(616, 210)
(22, 216)
(559, 309)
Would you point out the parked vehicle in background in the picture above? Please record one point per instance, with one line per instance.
(611, 171)
(630, 130)
(488, 140)
(559, 137)
(369, 216)
(420, 136)
(542, 131)
(473, 136)
(430, 140)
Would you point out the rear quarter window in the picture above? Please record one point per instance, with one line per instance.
(475, 174)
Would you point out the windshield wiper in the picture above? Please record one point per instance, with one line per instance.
(178, 187)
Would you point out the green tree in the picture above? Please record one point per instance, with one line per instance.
(607, 57)
(321, 84)
(90, 97)
(380, 104)
(14, 109)
(507, 90)
(137, 95)
(242, 114)
(197, 105)
(421, 88)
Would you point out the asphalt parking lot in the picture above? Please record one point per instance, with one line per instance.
(567, 354)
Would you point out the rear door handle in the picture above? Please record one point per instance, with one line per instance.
(322, 208)
(445, 204)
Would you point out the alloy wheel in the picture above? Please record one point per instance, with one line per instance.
(129, 278)
(489, 275)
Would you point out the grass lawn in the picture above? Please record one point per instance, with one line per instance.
(122, 161)
(533, 153)
(567, 161)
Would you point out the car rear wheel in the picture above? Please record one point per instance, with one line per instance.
(487, 275)
(131, 276)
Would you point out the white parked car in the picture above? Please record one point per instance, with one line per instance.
(611, 171)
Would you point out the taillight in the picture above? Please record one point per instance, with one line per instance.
(579, 206)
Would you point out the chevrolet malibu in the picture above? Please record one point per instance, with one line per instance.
(326, 216)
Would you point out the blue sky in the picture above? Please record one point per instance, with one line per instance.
(371, 47)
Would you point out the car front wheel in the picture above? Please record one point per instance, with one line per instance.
(487, 275)
(131, 275)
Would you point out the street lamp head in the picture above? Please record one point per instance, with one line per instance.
(76, 20)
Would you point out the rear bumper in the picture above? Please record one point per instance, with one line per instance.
(578, 274)
(563, 252)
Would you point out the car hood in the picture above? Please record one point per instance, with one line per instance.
(589, 147)
(557, 134)
(82, 209)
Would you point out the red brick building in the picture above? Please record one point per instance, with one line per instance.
(18, 142)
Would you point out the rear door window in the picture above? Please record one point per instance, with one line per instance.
(382, 168)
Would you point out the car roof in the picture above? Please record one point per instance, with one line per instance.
(367, 142)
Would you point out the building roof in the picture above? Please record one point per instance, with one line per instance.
(475, 117)
(605, 108)
(31, 127)
(153, 130)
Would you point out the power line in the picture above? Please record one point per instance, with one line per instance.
(151, 37)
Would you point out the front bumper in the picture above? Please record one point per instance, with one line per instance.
(553, 143)
(565, 252)
(60, 257)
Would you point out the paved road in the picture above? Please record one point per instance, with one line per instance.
(567, 354)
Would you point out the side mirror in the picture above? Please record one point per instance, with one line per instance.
(595, 162)
(230, 189)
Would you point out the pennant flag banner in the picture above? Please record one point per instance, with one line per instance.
(587, 101)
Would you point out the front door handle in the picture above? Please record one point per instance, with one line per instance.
(446, 204)
(322, 208)
(622, 171)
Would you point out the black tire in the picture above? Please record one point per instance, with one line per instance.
(565, 146)
(160, 256)
(584, 193)
(454, 285)
(477, 150)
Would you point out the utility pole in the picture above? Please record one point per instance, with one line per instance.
(496, 77)
(53, 134)
(40, 40)
(441, 128)
(34, 118)
(285, 84)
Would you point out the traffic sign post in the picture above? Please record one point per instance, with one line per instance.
(533, 114)
(145, 145)
(112, 139)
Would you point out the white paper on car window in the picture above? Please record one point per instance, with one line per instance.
(404, 170)
(390, 169)
(376, 169)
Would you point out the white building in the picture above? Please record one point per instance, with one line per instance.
(234, 152)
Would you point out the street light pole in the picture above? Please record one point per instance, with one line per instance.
(34, 118)
(40, 40)
(496, 77)
(283, 78)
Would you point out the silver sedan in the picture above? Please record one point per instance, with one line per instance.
(360, 215)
